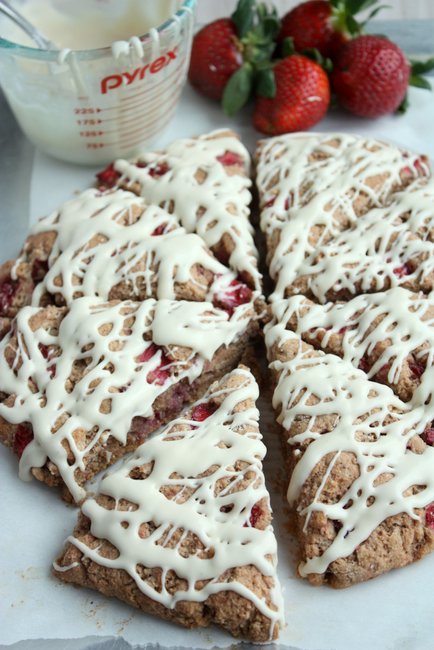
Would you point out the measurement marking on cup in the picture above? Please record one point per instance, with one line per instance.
(147, 123)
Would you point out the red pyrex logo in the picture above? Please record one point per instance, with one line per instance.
(127, 78)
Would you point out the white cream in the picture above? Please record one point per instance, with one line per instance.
(88, 24)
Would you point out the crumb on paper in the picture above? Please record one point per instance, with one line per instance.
(92, 610)
(31, 573)
(123, 623)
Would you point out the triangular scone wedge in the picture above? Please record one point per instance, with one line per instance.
(388, 335)
(115, 246)
(205, 183)
(361, 474)
(182, 529)
(82, 386)
(313, 186)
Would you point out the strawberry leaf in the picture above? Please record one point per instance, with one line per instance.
(355, 6)
(422, 67)
(315, 55)
(373, 13)
(419, 82)
(288, 47)
(269, 22)
(266, 83)
(243, 17)
(238, 90)
(402, 108)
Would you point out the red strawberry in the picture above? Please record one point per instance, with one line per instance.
(8, 289)
(23, 436)
(301, 100)
(203, 411)
(229, 55)
(108, 178)
(371, 76)
(315, 24)
(215, 56)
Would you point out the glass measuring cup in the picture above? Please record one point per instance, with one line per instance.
(91, 106)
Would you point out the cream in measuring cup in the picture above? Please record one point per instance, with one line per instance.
(106, 92)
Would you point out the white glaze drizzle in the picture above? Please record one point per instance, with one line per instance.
(101, 242)
(372, 255)
(319, 190)
(202, 207)
(182, 456)
(405, 327)
(111, 373)
(361, 408)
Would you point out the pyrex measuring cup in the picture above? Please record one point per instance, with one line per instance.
(91, 106)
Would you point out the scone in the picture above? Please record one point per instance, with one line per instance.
(182, 530)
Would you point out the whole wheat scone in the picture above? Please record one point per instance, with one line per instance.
(182, 530)
(378, 252)
(388, 335)
(204, 182)
(314, 186)
(82, 386)
(360, 463)
(114, 246)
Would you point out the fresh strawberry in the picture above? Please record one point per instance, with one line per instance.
(323, 25)
(371, 76)
(215, 56)
(229, 56)
(301, 100)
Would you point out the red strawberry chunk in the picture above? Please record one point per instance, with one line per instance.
(428, 436)
(159, 170)
(364, 364)
(108, 177)
(417, 369)
(8, 289)
(429, 516)
(402, 271)
(45, 351)
(23, 436)
(39, 270)
(203, 411)
(382, 374)
(160, 230)
(148, 353)
(240, 294)
(230, 158)
(270, 202)
(255, 514)
(160, 374)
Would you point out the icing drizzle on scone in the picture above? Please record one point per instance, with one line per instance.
(378, 252)
(385, 334)
(338, 412)
(126, 355)
(313, 186)
(183, 503)
(193, 179)
(104, 240)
